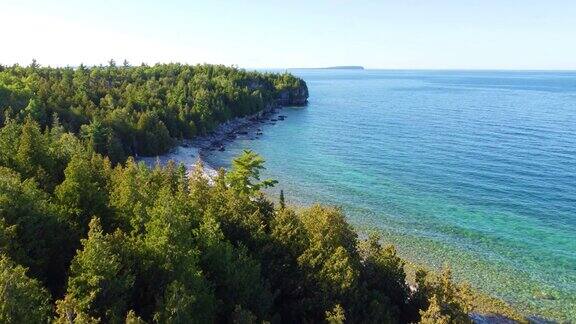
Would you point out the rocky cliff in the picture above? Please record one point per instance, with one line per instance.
(294, 96)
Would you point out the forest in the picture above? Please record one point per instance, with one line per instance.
(138, 110)
(87, 235)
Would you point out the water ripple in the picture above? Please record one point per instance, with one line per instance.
(474, 168)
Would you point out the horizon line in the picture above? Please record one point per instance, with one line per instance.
(364, 68)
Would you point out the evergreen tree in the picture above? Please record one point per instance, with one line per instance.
(97, 136)
(434, 315)
(99, 282)
(330, 261)
(83, 193)
(33, 233)
(445, 299)
(336, 315)
(36, 111)
(132, 318)
(32, 156)
(22, 300)
(170, 243)
(384, 286)
(180, 100)
(245, 171)
(173, 247)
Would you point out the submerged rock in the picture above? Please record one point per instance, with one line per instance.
(539, 320)
(490, 319)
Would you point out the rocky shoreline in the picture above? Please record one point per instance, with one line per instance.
(241, 127)
(190, 152)
(247, 126)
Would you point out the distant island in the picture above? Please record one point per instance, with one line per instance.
(345, 67)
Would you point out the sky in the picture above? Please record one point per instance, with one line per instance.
(399, 34)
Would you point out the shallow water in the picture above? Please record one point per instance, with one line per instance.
(476, 169)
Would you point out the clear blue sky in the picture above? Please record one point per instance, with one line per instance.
(465, 34)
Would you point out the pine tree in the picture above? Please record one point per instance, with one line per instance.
(245, 174)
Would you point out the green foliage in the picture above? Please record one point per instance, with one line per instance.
(14, 93)
(434, 314)
(180, 305)
(24, 148)
(176, 249)
(384, 282)
(68, 311)
(330, 261)
(287, 81)
(83, 192)
(288, 231)
(446, 301)
(130, 195)
(102, 139)
(9, 143)
(336, 315)
(172, 247)
(99, 282)
(236, 274)
(115, 241)
(32, 154)
(245, 171)
(132, 318)
(152, 135)
(35, 111)
(137, 110)
(31, 230)
(22, 300)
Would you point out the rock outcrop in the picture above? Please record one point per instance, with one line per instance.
(295, 96)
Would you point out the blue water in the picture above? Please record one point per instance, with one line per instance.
(473, 169)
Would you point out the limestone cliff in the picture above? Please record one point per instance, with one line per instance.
(294, 96)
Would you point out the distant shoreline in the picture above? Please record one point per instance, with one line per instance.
(344, 67)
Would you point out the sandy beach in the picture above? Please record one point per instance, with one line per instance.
(187, 155)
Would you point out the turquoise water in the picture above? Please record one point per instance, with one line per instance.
(475, 169)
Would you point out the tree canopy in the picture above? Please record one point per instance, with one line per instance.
(87, 240)
(138, 110)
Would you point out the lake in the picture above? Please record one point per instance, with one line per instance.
(476, 169)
